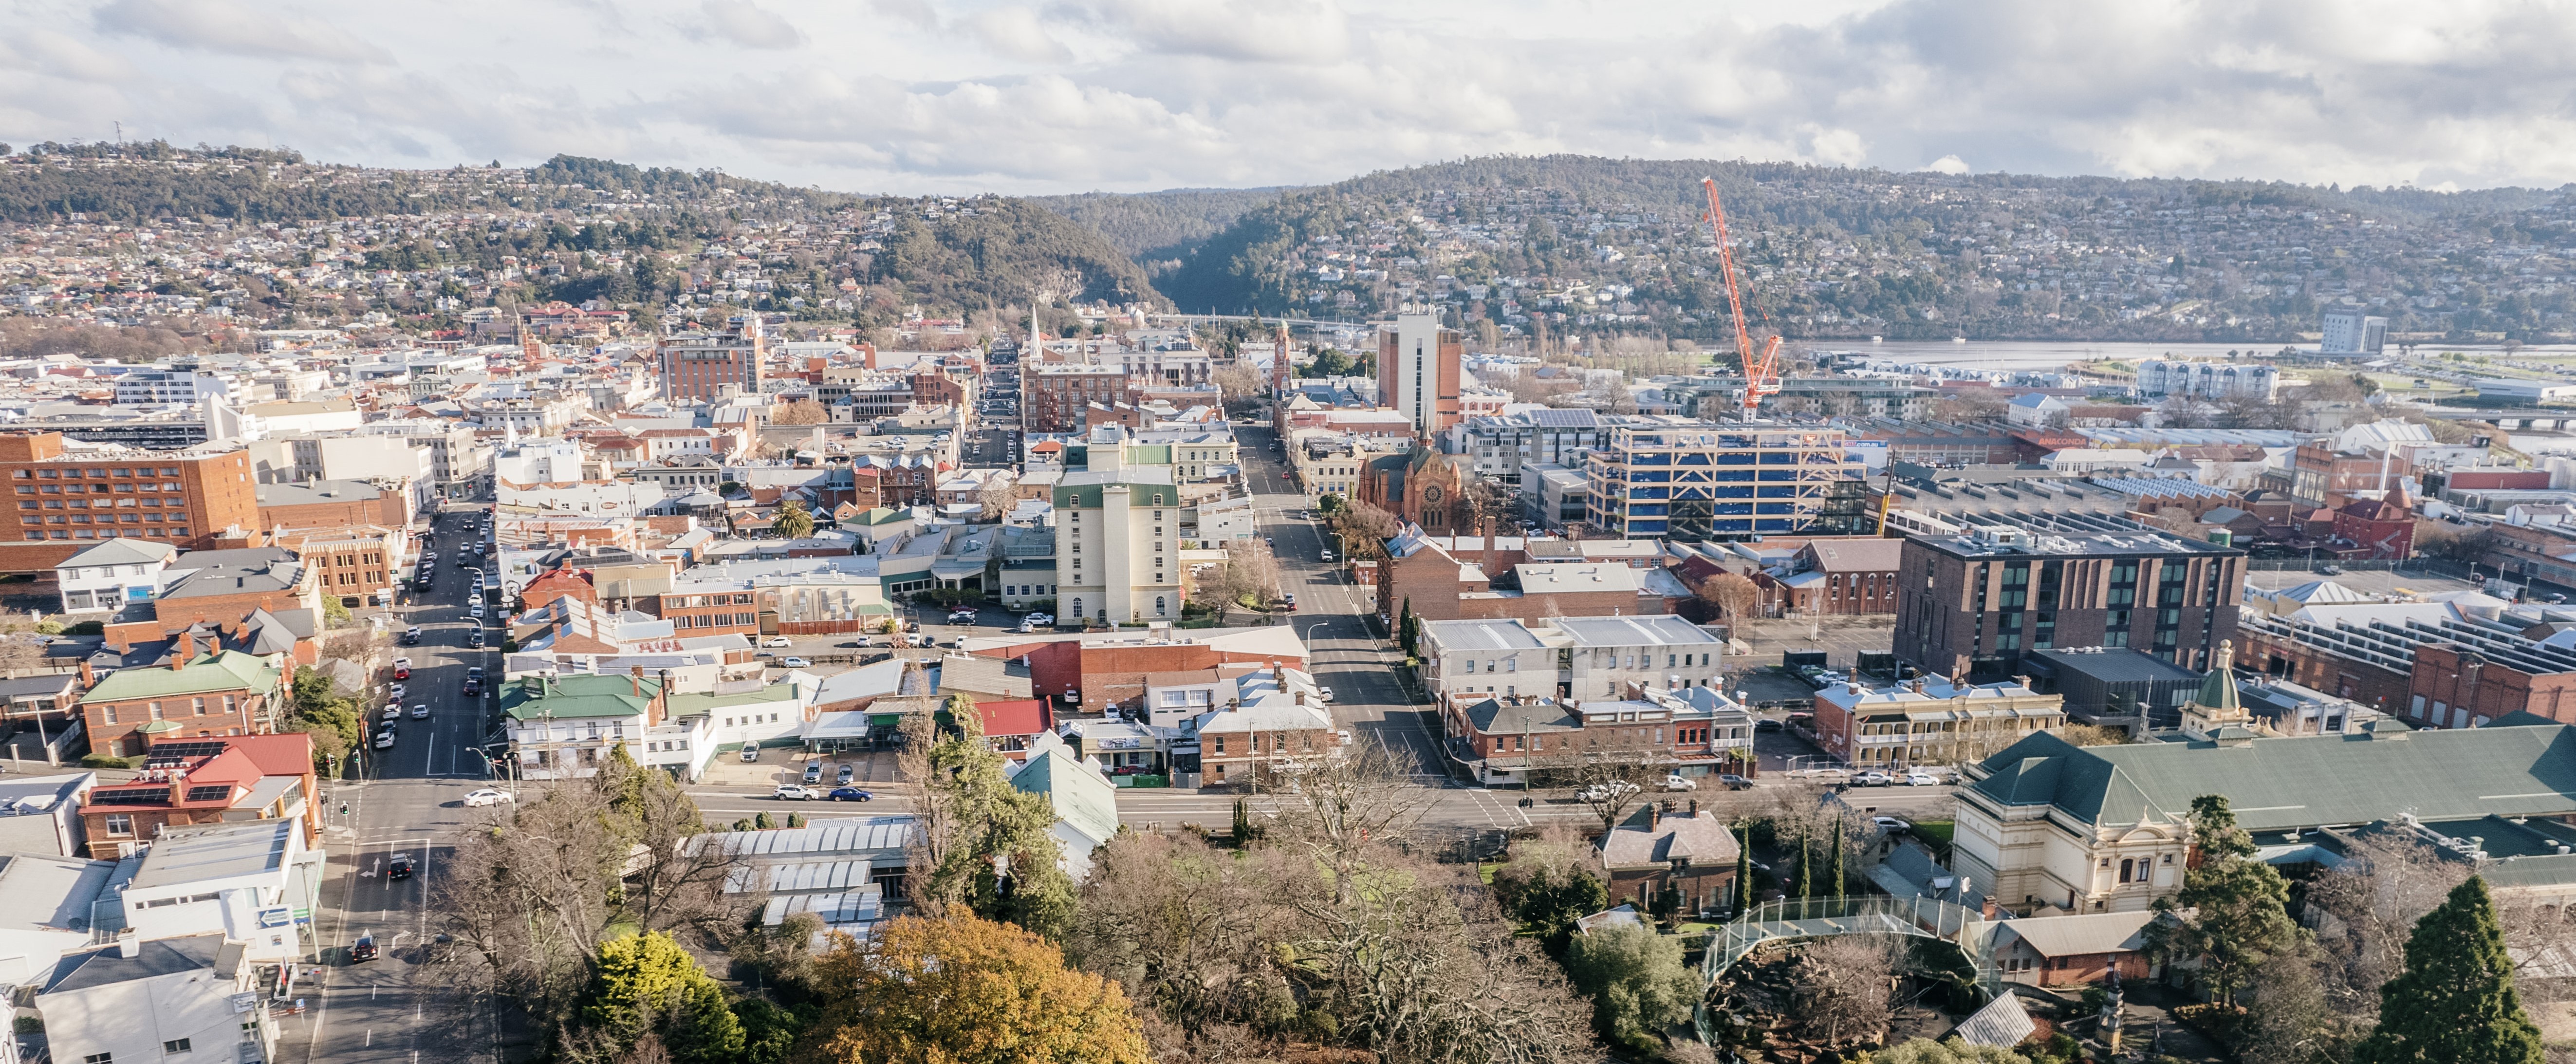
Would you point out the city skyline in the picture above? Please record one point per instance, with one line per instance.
(916, 96)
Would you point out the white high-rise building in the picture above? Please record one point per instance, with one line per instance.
(2349, 331)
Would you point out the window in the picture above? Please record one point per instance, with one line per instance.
(99, 1058)
(120, 824)
(175, 1046)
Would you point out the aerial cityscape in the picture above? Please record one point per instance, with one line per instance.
(1209, 533)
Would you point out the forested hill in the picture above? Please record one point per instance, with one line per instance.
(1621, 244)
(1156, 228)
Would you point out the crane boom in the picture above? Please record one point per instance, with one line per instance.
(1761, 371)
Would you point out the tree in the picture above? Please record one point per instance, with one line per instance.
(2387, 883)
(334, 614)
(1743, 868)
(1249, 579)
(1954, 1051)
(1608, 773)
(2232, 912)
(1636, 980)
(798, 412)
(792, 522)
(1548, 885)
(1242, 388)
(1365, 528)
(964, 990)
(646, 985)
(2455, 1004)
(982, 845)
(1843, 984)
(1733, 594)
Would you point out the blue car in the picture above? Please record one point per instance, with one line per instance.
(849, 794)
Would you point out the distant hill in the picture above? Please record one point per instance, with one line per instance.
(1621, 245)
(1157, 228)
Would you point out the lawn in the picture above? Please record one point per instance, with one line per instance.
(1937, 833)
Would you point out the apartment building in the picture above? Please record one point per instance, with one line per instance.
(202, 694)
(1660, 476)
(1330, 463)
(352, 563)
(1118, 542)
(1418, 372)
(1532, 741)
(163, 387)
(69, 493)
(709, 365)
(1566, 657)
(1930, 722)
(1984, 598)
(1498, 447)
(1053, 395)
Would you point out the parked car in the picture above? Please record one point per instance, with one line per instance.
(1734, 782)
(402, 668)
(364, 949)
(2329, 570)
(962, 615)
(795, 792)
(1038, 618)
(474, 638)
(1678, 782)
(794, 663)
(813, 772)
(850, 794)
(778, 641)
(1290, 601)
(1325, 693)
(1921, 779)
(1766, 724)
(1603, 792)
(1871, 779)
(395, 691)
(420, 711)
(1891, 824)
(393, 711)
(487, 796)
(475, 611)
(848, 772)
(750, 753)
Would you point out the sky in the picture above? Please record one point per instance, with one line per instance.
(963, 96)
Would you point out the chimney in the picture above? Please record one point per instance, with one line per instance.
(1654, 816)
(128, 944)
(1694, 808)
(89, 676)
(182, 650)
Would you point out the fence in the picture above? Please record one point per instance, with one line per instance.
(1792, 918)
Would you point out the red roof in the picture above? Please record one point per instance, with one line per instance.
(1019, 716)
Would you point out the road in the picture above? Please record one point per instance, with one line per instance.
(410, 802)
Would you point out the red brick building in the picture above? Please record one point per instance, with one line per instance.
(559, 583)
(2455, 686)
(1693, 853)
(205, 781)
(1839, 576)
(203, 692)
(2378, 529)
(1101, 670)
(1448, 578)
(706, 613)
(66, 495)
(329, 503)
(1054, 395)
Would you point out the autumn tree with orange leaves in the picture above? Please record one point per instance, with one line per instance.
(964, 990)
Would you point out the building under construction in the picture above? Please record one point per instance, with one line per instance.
(1662, 476)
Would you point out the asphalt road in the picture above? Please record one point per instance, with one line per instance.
(410, 802)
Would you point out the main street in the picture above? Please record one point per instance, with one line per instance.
(411, 801)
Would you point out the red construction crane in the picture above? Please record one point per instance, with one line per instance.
(1761, 372)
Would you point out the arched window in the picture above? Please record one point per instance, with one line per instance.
(1077, 609)
(1158, 605)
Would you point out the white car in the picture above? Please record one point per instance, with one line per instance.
(476, 611)
(1039, 618)
(1919, 779)
(778, 641)
(794, 663)
(395, 692)
(487, 796)
(385, 741)
(1325, 693)
(1892, 825)
(420, 711)
(1603, 792)
(393, 711)
(1678, 782)
(795, 792)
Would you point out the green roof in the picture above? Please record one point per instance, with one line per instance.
(533, 697)
(229, 670)
(1080, 796)
(881, 516)
(2305, 781)
(693, 705)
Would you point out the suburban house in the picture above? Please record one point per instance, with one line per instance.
(193, 781)
(1279, 721)
(213, 692)
(113, 575)
(1086, 804)
(562, 727)
(1693, 853)
(2074, 949)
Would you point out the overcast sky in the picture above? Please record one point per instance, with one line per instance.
(914, 96)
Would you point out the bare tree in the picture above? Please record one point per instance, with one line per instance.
(1734, 594)
(1336, 807)
(1845, 985)
(2366, 908)
(1365, 528)
(1242, 387)
(798, 412)
(1250, 576)
(1608, 773)
(997, 495)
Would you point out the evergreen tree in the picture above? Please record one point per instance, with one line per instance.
(1839, 846)
(2238, 907)
(2456, 1003)
(1743, 869)
(1404, 628)
(1806, 866)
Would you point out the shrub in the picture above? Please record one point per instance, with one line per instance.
(104, 761)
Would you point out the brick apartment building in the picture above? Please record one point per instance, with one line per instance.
(206, 781)
(1447, 578)
(349, 563)
(329, 503)
(1985, 598)
(68, 494)
(704, 365)
(1054, 395)
(1105, 669)
(203, 692)
(1838, 576)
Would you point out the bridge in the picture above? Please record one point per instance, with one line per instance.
(1796, 918)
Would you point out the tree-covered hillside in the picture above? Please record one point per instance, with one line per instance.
(1155, 228)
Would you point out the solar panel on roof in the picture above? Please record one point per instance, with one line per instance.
(190, 748)
(132, 796)
(210, 792)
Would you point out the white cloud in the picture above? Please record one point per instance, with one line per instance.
(236, 28)
(750, 25)
(1046, 95)
(1948, 164)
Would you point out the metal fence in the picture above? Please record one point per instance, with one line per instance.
(1792, 918)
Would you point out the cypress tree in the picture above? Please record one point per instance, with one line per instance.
(1806, 865)
(2455, 1004)
(1743, 870)
(1404, 628)
(1838, 855)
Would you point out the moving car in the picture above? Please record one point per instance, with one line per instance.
(1602, 792)
(1328, 554)
(813, 772)
(1734, 782)
(420, 711)
(487, 796)
(400, 867)
(474, 680)
(1766, 724)
(1920, 779)
(849, 794)
(364, 949)
(1870, 779)
(795, 792)
(1679, 782)
(1326, 693)
(778, 641)
(402, 668)
(1892, 825)
(1290, 601)
(794, 663)
(412, 638)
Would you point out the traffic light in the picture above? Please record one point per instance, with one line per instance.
(344, 809)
